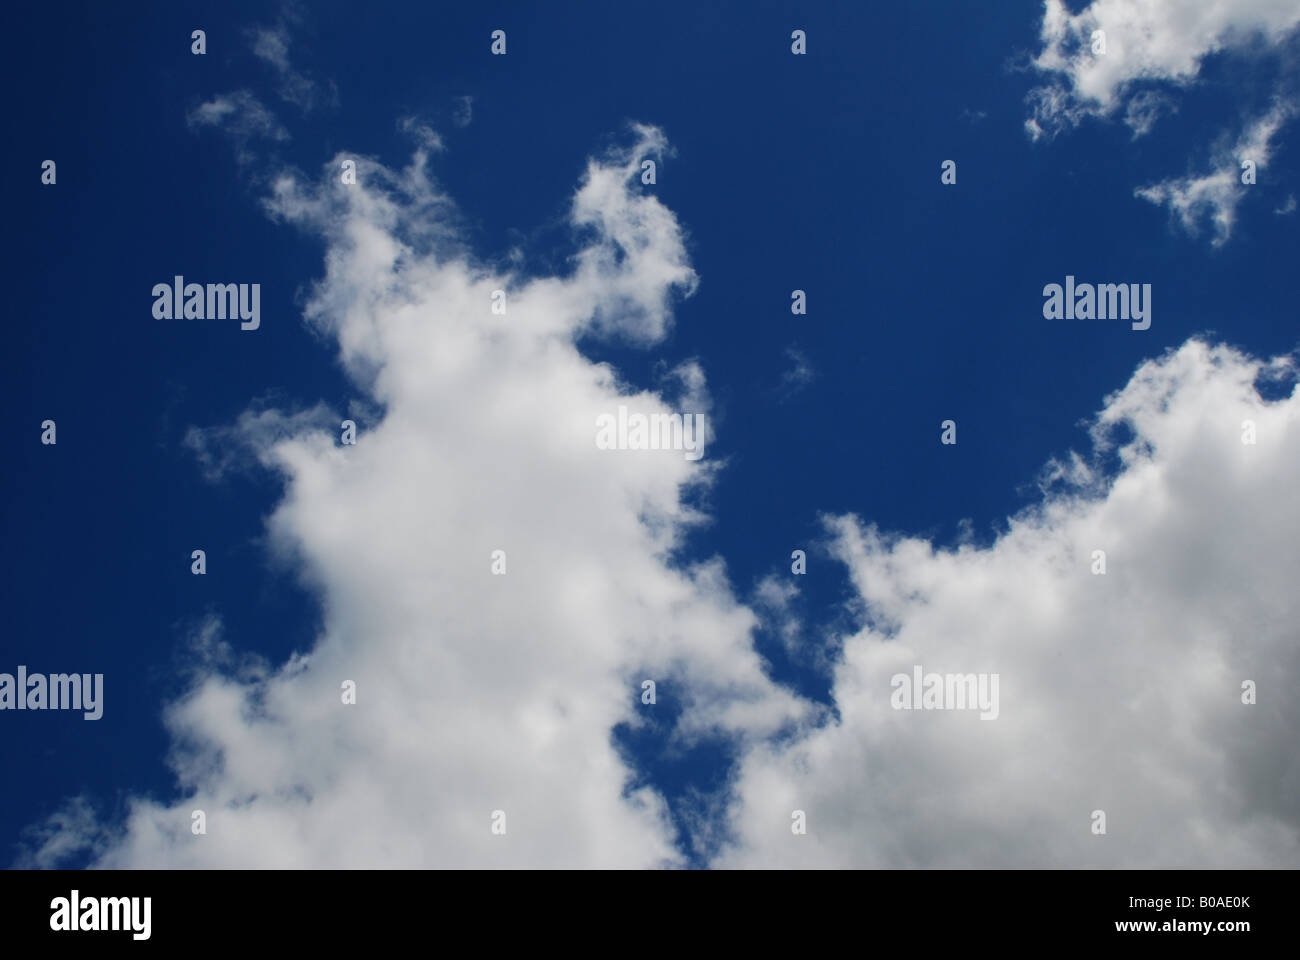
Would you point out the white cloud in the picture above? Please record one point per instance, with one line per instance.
(478, 692)
(1216, 193)
(475, 692)
(1146, 41)
(1119, 692)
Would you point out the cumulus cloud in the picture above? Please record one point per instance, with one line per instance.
(1146, 41)
(475, 692)
(1119, 692)
(478, 692)
(1215, 194)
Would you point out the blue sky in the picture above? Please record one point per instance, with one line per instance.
(818, 172)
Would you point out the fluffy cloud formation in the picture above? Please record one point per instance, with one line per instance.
(478, 693)
(1119, 692)
(475, 692)
(1146, 40)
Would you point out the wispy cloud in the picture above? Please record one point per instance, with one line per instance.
(241, 116)
(464, 112)
(271, 45)
(1216, 193)
(799, 375)
(422, 133)
(1128, 57)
